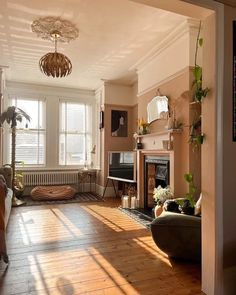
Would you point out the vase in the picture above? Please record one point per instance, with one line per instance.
(158, 210)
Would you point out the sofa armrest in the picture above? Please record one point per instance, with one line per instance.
(178, 235)
(8, 205)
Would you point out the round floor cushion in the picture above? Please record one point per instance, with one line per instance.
(64, 192)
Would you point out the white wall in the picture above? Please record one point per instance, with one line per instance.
(52, 96)
(170, 57)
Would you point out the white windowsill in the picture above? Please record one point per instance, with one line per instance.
(38, 168)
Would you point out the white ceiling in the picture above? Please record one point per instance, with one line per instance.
(113, 36)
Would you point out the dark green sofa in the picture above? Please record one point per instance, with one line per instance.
(178, 235)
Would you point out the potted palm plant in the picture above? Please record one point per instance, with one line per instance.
(12, 116)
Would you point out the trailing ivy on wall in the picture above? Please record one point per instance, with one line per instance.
(196, 137)
(199, 92)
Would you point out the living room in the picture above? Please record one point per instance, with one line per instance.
(125, 54)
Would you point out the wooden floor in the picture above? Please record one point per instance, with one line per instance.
(89, 248)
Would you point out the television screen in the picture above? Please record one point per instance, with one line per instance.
(122, 166)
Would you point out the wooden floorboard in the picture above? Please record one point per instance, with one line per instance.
(88, 248)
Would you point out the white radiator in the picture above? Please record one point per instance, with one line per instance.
(32, 178)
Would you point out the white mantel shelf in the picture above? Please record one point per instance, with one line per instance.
(155, 152)
(169, 131)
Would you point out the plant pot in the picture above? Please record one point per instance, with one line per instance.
(158, 209)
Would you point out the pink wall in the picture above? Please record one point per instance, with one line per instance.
(111, 143)
(178, 91)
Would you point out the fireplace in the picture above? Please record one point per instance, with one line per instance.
(156, 172)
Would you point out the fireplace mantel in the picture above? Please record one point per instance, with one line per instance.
(164, 132)
(181, 159)
(154, 141)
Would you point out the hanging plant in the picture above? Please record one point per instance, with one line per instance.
(199, 92)
(196, 137)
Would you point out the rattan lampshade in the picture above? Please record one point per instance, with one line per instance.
(55, 64)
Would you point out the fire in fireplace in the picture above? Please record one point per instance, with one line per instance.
(156, 173)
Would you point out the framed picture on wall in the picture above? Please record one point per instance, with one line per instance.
(234, 81)
(119, 123)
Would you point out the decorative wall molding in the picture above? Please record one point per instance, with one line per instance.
(17, 88)
(184, 28)
(120, 105)
(166, 80)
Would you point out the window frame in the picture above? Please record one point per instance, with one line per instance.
(90, 133)
(7, 135)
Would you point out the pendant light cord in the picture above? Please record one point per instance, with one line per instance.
(55, 42)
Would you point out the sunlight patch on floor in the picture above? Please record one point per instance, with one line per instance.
(152, 249)
(114, 221)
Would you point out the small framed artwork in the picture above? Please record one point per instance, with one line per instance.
(119, 123)
(234, 80)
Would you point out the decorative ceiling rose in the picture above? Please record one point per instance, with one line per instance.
(55, 64)
(45, 26)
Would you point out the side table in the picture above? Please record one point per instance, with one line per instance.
(87, 176)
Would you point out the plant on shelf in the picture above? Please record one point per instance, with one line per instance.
(160, 194)
(143, 127)
(12, 116)
(199, 91)
(173, 123)
(196, 137)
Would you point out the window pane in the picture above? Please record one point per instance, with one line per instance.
(75, 117)
(34, 109)
(72, 149)
(30, 144)
(30, 147)
(62, 149)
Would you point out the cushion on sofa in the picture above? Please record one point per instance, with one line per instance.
(7, 173)
(8, 204)
(3, 183)
(5, 207)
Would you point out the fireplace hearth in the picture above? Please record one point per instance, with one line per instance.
(156, 172)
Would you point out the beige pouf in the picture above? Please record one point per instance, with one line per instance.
(63, 192)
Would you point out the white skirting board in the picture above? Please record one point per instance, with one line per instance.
(109, 191)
